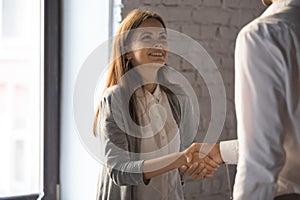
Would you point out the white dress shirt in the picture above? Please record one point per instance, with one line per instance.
(166, 140)
(229, 151)
(267, 98)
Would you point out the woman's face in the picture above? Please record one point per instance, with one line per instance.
(148, 44)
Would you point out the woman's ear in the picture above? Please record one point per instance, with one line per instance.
(128, 56)
(127, 53)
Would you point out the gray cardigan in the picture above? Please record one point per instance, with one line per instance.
(122, 168)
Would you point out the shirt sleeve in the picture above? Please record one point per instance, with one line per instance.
(229, 151)
(260, 109)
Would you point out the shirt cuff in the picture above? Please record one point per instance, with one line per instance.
(229, 151)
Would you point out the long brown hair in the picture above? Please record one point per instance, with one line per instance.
(119, 64)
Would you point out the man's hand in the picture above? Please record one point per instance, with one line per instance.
(202, 164)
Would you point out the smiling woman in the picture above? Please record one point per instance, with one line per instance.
(143, 151)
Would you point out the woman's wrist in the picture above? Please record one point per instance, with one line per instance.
(181, 160)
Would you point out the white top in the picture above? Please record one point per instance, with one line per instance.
(267, 97)
(165, 140)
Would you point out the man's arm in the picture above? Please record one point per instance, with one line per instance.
(260, 109)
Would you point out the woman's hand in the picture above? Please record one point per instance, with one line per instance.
(201, 166)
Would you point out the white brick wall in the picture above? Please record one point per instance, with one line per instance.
(215, 25)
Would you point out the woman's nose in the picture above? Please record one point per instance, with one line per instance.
(158, 45)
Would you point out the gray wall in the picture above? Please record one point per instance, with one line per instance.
(215, 25)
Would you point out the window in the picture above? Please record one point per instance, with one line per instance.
(21, 97)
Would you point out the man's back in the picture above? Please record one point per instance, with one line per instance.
(289, 17)
(268, 103)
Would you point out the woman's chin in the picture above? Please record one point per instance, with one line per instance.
(161, 62)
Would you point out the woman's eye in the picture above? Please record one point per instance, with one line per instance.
(146, 38)
(163, 37)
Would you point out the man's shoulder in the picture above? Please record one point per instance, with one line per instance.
(263, 27)
(273, 24)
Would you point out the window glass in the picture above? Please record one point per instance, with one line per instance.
(20, 97)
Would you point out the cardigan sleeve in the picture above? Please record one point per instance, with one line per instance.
(121, 166)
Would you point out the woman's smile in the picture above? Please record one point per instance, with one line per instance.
(157, 55)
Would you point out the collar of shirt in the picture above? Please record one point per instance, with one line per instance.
(280, 4)
(157, 93)
(141, 92)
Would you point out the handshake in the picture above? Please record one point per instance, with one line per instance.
(202, 160)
